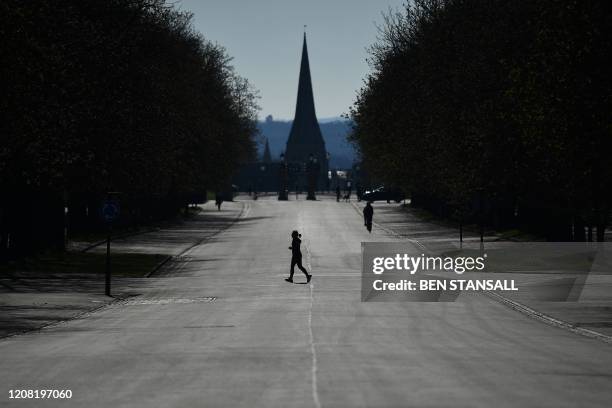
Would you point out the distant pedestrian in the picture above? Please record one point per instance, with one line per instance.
(338, 193)
(368, 214)
(296, 257)
(218, 201)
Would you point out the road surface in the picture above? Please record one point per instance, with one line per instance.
(220, 327)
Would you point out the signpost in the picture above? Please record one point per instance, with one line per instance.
(110, 212)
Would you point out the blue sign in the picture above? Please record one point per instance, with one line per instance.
(110, 211)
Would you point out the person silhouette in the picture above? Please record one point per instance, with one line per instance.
(218, 201)
(368, 214)
(296, 257)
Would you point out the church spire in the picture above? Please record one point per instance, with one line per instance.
(267, 157)
(305, 131)
(305, 141)
(304, 108)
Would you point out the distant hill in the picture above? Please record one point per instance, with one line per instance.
(334, 132)
(332, 119)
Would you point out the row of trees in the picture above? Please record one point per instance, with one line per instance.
(496, 111)
(116, 95)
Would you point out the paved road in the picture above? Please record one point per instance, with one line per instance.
(264, 342)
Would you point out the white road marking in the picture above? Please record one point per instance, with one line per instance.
(313, 350)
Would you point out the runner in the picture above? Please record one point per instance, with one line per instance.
(296, 257)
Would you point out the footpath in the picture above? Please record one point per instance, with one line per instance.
(38, 294)
(588, 312)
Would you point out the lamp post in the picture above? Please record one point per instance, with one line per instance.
(282, 192)
(357, 178)
(261, 178)
(481, 215)
(312, 170)
(327, 175)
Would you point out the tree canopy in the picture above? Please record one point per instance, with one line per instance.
(499, 108)
(117, 95)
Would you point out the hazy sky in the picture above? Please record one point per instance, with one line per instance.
(265, 39)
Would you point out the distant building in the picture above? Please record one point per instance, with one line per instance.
(305, 140)
(305, 147)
